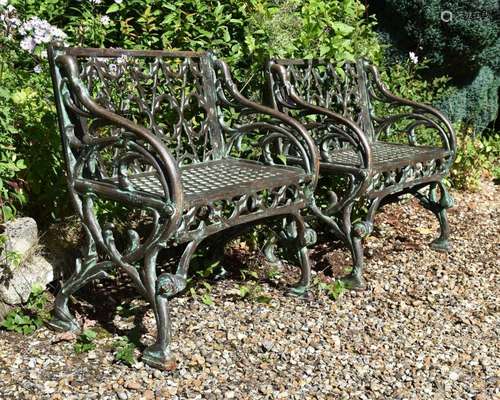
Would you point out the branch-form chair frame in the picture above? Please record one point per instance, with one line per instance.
(348, 137)
(185, 194)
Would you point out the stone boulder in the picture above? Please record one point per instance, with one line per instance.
(17, 279)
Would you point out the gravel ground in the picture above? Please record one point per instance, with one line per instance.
(426, 327)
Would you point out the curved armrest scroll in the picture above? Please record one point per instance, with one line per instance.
(286, 95)
(423, 114)
(295, 128)
(166, 161)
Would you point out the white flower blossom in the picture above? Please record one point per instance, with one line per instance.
(122, 60)
(3, 3)
(37, 69)
(413, 57)
(118, 1)
(105, 20)
(28, 44)
(38, 31)
(95, 1)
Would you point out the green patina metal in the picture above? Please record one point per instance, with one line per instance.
(147, 130)
(338, 106)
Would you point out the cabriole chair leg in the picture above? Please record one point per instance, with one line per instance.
(159, 355)
(439, 209)
(87, 269)
(302, 236)
(355, 280)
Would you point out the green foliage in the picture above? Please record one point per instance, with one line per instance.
(333, 289)
(475, 157)
(202, 294)
(29, 318)
(29, 142)
(124, 351)
(458, 37)
(252, 291)
(404, 80)
(311, 29)
(12, 194)
(85, 341)
(476, 104)
(9, 259)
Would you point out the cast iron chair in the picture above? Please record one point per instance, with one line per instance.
(370, 143)
(148, 131)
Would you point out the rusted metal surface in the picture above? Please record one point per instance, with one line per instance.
(338, 105)
(147, 130)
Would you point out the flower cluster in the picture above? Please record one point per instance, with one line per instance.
(37, 31)
(33, 32)
(413, 57)
(8, 18)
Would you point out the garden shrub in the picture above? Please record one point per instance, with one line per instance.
(476, 157)
(458, 38)
(476, 104)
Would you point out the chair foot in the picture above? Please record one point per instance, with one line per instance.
(299, 291)
(63, 324)
(160, 358)
(354, 281)
(438, 207)
(440, 244)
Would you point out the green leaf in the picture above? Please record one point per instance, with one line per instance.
(263, 299)
(113, 8)
(342, 28)
(282, 157)
(243, 291)
(207, 299)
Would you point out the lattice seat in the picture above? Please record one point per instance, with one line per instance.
(390, 155)
(221, 179)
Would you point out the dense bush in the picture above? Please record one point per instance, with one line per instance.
(476, 104)
(460, 39)
(457, 37)
(476, 157)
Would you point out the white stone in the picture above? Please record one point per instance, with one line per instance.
(22, 235)
(17, 288)
(16, 285)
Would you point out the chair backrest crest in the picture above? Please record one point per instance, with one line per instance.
(172, 94)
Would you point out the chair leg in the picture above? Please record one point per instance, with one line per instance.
(354, 240)
(159, 289)
(439, 209)
(355, 280)
(270, 248)
(302, 237)
(87, 269)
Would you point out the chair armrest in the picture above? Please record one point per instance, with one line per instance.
(155, 153)
(332, 126)
(420, 114)
(275, 125)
